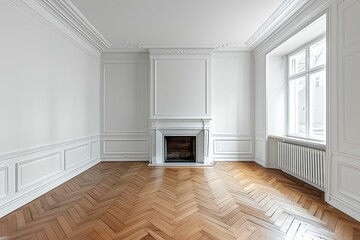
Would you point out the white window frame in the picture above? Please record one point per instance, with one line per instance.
(305, 74)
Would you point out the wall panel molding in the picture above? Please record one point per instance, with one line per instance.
(161, 107)
(27, 174)
(4, 182)
(232, 147)
(76, 155)
(125, 146)
(124, 107)
(95, 149)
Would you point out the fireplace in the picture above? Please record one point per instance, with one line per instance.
(180, 142)
(180, 148)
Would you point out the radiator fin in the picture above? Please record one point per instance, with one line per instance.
(302, 162)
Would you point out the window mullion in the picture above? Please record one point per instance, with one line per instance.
(307, 54)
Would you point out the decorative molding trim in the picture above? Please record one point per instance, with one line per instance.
(76, 155)
(180, 51)
(347, 208)
(286, 9)
(62, 13)
(20, 168)
(234, 154)
(233, 54)
(139, 152)
(19, 153)
(295, 23)
(148, 46)
(29, 196)
(4, 181)
(24, 185)
(69, 14)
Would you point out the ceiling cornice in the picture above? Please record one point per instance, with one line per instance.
(286, 9)
(71, 16)
(180, 51)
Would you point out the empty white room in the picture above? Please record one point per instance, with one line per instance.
(167, 119)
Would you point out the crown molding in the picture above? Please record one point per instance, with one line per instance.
(180, 51)
(286, 9)
(63, 16)
(71, 16)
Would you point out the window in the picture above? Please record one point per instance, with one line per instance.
(307, 91)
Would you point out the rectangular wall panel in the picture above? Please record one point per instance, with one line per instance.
(233, 147)
(4, 182)
(180, 87)
(76, 155)
(95, 149)
(32, 171)
(125, 147)
(125, 97)
(349, 71)
(348, 175)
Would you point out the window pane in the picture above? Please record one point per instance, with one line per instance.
(318, 54)
(297, 63)
(297, 107)
(317, 105)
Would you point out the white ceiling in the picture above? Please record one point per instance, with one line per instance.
(177, 22)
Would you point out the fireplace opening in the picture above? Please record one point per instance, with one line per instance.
(180, 148)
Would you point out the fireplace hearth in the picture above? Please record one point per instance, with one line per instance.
(180, 149)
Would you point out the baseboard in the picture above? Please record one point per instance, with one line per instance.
(261, 162)
(344, 207)
(27, 174)
(123, 160)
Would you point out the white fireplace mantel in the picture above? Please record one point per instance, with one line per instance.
(180, 127)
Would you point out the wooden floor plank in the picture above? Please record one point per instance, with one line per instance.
(125, 200)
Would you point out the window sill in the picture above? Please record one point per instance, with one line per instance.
(301, 142)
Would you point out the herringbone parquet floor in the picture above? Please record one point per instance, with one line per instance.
(133, 201)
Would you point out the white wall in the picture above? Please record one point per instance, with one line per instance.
(276, 90)
(125, 103)
(232, 106)
(343, 163)
(344, 147)
(49, 101)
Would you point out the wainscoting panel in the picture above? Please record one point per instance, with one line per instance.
(344, 187)
(32, 171)
(29, 173)
(126, 148)
(232, 147)
(95, 149)
(260, 150)
(4, 183)
(76, 155)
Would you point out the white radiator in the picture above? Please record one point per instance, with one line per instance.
(304, 163)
